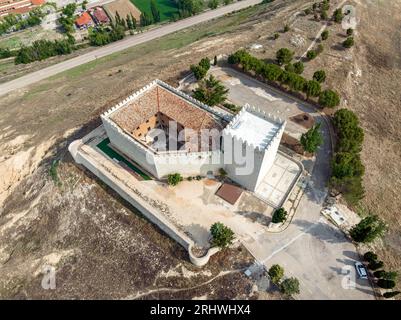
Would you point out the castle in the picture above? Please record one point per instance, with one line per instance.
(165, 131)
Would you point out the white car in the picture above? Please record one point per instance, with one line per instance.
(361, 270)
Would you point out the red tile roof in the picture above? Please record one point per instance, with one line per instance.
(159, 99)
(84, 20)
(38, 2)
(100, 15)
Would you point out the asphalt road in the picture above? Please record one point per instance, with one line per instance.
(122, 45)
(310, 249)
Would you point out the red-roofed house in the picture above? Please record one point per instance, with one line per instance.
(84, 20)
(100, 15)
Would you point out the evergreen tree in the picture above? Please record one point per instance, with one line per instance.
(155, 11)
(312, 139)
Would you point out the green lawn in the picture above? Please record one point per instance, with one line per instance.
(166, 7)
(104, 146)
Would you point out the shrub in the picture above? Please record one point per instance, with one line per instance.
(338, 15)
(276, 36)
(311, 54)
(329, 98)
(284, 56)
(388, 295)
(370, 256)
(279, 215)
(386, 284)
(325, 35)
(298, 67)
(319, 49)
(222, 236)
(290, 286)
(213, 4)
(319, 76)
(222, 172)
(390, 275)
(286, 28)
(350, 32)
(312, 139)
(379, 273)
(368, 229)
(374, 265)
(308, 11)
(276, 273)
(324, 15)
(349, 42)
(173, 179)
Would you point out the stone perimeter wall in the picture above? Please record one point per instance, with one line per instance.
(135, 198)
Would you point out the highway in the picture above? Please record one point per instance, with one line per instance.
(128, 42)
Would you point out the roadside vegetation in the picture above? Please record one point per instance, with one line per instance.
(384, 279)
(347, 167)
(312, 139)
(288, 78)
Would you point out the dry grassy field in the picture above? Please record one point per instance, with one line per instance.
(38, 122)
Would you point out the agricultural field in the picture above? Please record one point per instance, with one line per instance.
(167, 8)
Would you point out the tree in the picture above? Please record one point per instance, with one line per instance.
(210, 91)
(222, 236)
(347, 165)
(329, 98)
(319, 76)
(145, 19)
(391, 294)
(368, 229)
(390, 275)
(205, 63)
(155, 11)
(349, 42)
(279, 215)
(276, 273)
(213, 4)
(227, 2)
(295, 81)
(198, 71)
(290, 286)
(215, 61)
(284, 56)
(298, 67)
(370, 256)
(325, 35)
(84, 4)
(311, 54)
(312, 88)
(374, 265)
(379, 274)
(386, 284)
(312, 139)
(349, 132)
(174, 178)
(338, 15)
(350, 32)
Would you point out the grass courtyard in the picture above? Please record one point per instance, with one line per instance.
(167, 8)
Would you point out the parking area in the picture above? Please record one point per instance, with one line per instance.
(278, 182)
(243, 89)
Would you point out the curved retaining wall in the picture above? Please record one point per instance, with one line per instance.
(150, 212)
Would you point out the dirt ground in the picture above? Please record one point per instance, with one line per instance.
(91, 235)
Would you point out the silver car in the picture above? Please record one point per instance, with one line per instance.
(361, 270)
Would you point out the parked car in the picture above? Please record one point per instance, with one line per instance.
(361, 270)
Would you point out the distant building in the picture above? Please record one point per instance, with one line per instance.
(84, 21)
(99, 15)
(18, 6)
